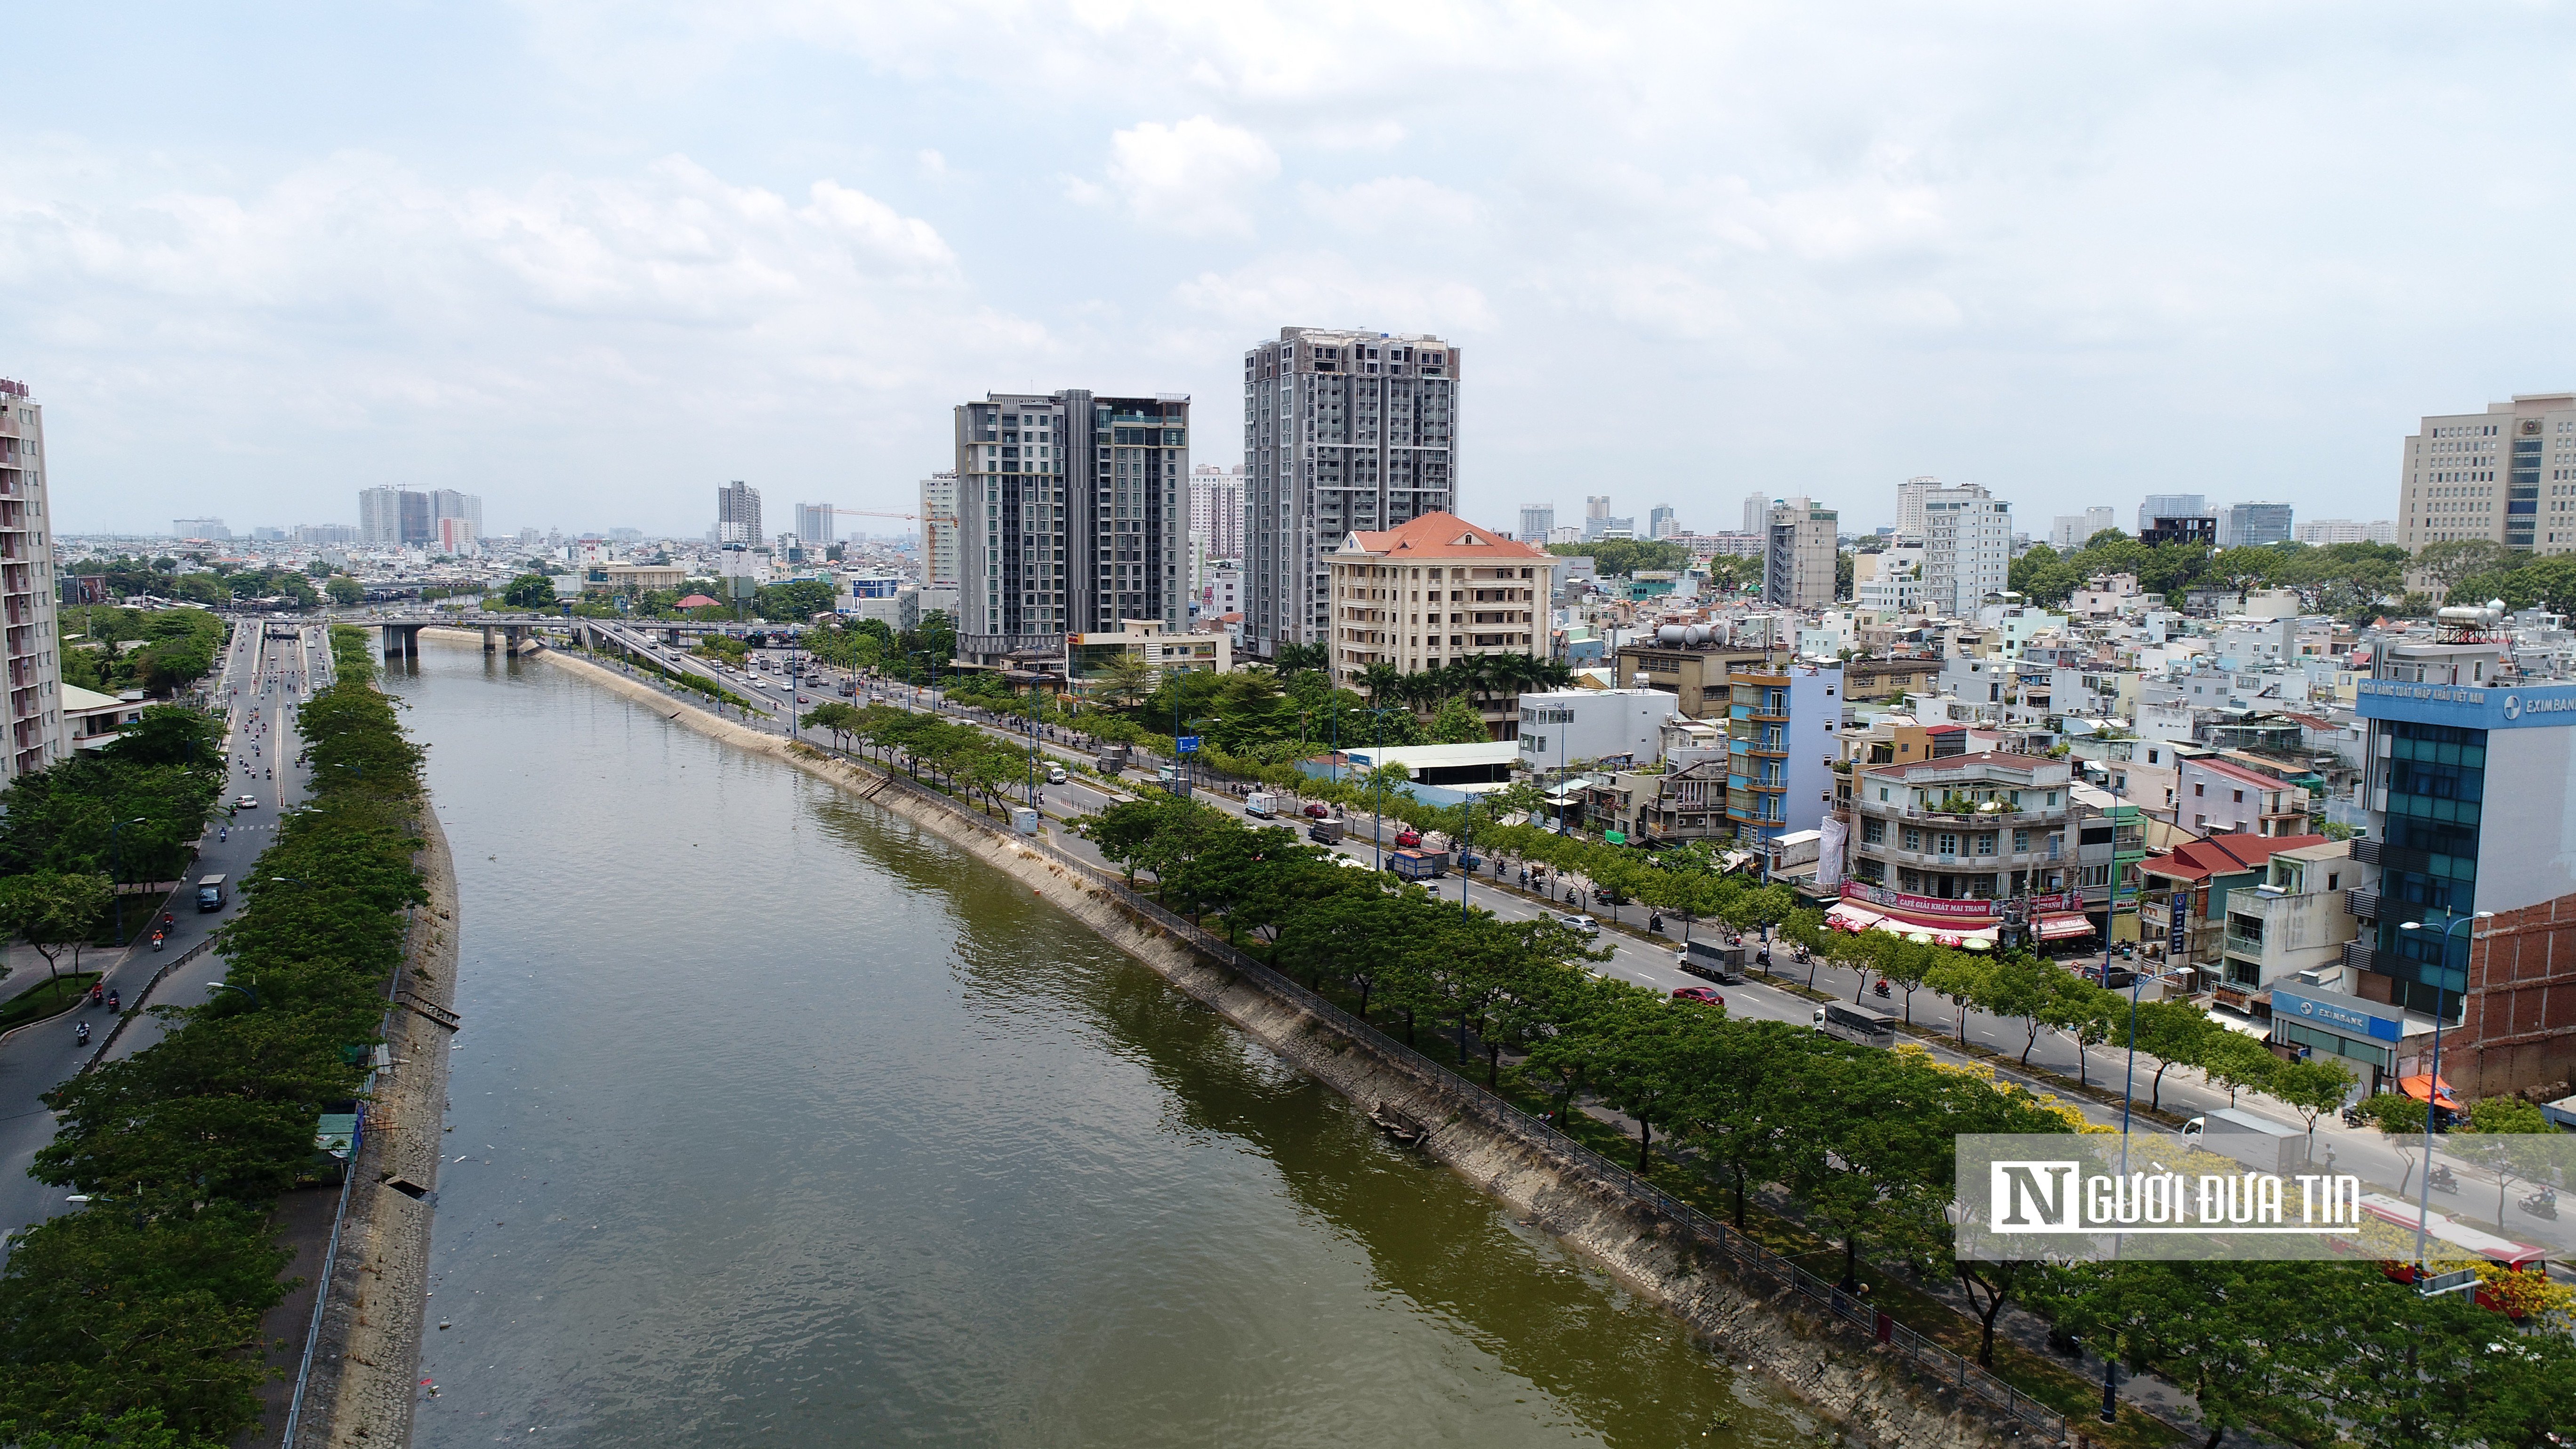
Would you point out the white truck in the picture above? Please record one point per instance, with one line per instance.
(2261, 1144)
(1261, 805)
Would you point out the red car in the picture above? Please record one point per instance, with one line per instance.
(1698, 993)
(1318, 810)
(1407, 839)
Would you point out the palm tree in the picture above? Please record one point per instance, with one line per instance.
(1127, 678)
(1380, 680)
(1478, 674)
(1291, 658)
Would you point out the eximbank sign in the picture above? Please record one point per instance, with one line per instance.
(2478, 707)
(2074, 1198)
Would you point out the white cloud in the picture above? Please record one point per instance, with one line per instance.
(1194, 178)
(1316, 286)
(1404, 204)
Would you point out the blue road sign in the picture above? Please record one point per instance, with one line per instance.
(1187, 744)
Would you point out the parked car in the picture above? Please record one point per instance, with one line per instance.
(1698, 993)
(1318, 810)
(1578, 922)
(1408, 839)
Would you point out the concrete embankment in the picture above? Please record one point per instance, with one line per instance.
(1874, 1398)
(366, 1359)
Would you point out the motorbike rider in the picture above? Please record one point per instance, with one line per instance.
(80, 1032)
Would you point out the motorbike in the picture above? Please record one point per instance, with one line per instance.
(97, 995)
(1655, 924)
(80, 1033)
(156, 940)
(1879, 990)
(2541, 1204)
(114, 1003)
(2442, 1179)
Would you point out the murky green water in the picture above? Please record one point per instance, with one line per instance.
(787, 1123)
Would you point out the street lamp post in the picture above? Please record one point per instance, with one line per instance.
(2433, 1087)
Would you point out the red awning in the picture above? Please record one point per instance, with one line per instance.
(2419, 1088)
(2059, 928)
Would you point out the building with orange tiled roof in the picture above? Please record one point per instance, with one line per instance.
(1434, 591)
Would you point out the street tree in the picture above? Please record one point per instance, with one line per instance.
(53, 912)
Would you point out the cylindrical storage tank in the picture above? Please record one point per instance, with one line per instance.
(1695, 634)
(1669, 634)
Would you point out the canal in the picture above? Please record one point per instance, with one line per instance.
(776, 1119)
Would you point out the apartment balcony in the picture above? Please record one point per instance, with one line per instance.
(1970, 861)
(2235, 945)
(2367, 850)
(1964, 818)
(2359, 957)
(2364, 905)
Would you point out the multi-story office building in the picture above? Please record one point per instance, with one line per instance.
(738, 514)
(1596, 529)
(2069, 530)
(1928, 852)
(2440, 730)
(1662, 521)
(1780, 740)
(2251, 525)
(1437, 590)
(2344, 530)
(323, 534)
(1757, 513)
(2507, 475)
(2170, 505)
(939, 529)
(815, 524)
(1538, 523)
(1967, 549)
(1216, 509)
(1798, 555)
(36, 737)
(454, 535)
(1343, 432)
(211, 530)
(1596, 507)
(1073, 517)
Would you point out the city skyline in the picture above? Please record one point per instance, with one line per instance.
(237, 323)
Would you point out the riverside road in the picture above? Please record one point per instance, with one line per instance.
(1644, 959)
(258, 688)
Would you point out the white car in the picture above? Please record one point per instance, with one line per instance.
(1055, 774)
(247, 802)
(1584, 924)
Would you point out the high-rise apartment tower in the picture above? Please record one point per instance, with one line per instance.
(1216, 509)
(738, 514)
(816, 525)
(1343, 432)
(1073, 514)
(1538, 523)
(939, 546)
(1798, 561)
(1967, 548)
(27, 587)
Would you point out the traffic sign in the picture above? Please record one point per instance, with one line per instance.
(1187, 744)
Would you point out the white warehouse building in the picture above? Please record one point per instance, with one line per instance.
(1566, 725)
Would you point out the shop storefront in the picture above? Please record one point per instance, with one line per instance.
(2380, 1042)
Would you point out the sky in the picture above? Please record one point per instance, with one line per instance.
(590, 260)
